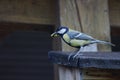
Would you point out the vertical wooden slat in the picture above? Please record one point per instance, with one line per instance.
(95, 19)
(88, 16)
(68, 17)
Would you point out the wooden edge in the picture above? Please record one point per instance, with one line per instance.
(103, 60)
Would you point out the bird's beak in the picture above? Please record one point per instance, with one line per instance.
(54, 34)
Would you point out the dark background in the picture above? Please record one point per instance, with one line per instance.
(24, 52)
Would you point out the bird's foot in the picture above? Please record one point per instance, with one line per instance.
(74, 54)
(69, 57)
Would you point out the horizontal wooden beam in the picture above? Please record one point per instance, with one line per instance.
(102, 60)
(29, 11)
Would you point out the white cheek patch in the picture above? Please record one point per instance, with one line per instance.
(61, 31)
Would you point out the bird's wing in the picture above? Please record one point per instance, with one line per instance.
(83, 36)
(80, 36)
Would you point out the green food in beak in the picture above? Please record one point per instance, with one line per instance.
(54, 34)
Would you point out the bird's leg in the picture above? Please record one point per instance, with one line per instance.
(70, 56)
(80, 50)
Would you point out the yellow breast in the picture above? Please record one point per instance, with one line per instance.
(66, 38)
(76, 43)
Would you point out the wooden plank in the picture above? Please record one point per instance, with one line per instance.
(95, 20)
(28, 11)
(69, 17)
(114, 11)
(100, 60)
(88, 16)
(107, 65)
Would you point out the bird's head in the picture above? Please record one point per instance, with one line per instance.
(59, 31)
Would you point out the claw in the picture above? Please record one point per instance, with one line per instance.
(75, 55)
(70, 55)
(81, 49)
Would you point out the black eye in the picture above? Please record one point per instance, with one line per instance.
(58, 29)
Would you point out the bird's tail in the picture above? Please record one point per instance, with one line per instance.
(104, 42)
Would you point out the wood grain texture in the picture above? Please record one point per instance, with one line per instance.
(88, 16)
(95, 65)
(104, 74)
(95, 20)
(28, 11)
(114, 11)
(69, 17)
(99, 60)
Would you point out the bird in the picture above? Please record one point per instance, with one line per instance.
(76, 39)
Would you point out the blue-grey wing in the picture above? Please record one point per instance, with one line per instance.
(72, 34)
(83, 36)
(80, 36)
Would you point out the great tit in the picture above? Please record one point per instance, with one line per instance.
(76, 39)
